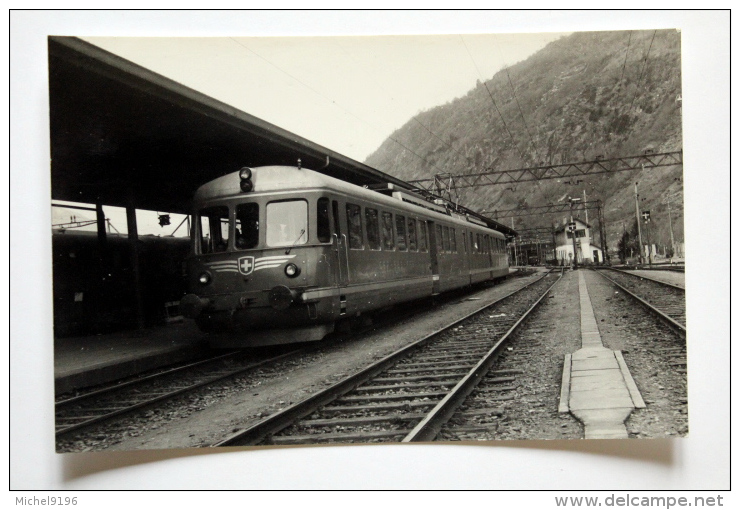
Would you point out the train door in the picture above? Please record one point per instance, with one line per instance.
(340, 248)
(433, 243)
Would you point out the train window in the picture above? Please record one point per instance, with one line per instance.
(453, 241)
(354, 223)
(487, 244)
(373, 228)
(214, 229)
(411, 224)
(247, 226)
(286, 223)
(472, 246)
(446, 239)
(387, 225)
(323, 229)
(401, 232)
(478, 244)
(422, 235)
(438, 233)
(465, 242)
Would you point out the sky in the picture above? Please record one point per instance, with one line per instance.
(347, 94)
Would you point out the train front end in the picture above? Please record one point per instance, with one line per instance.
(260, 267)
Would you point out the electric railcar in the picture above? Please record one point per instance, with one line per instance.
(282, 254)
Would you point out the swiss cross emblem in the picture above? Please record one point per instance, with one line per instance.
(246, 265)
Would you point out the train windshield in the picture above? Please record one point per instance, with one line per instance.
(247, 226)
(214, 229)
(286, 223)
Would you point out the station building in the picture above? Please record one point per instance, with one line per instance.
(586, 251)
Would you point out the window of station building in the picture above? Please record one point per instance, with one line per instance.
(401, 232)
(247, 226)
(214, 229)
(446, 239)
(286, 223)
(387, 230)
(323, 222)
(411, 229)
(354, 224)
(372, 224)
(453, 240)
(422, 235)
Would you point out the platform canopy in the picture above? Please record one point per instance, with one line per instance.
(124, 135)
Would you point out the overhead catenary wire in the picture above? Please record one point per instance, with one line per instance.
(639, 79)
(485, 84)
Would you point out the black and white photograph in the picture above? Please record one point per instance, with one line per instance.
(460, 239)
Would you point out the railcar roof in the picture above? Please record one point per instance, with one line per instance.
(274, 179)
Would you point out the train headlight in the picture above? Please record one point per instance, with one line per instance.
(204, 278)
(245, 173)
(245, 178)
(291, 270)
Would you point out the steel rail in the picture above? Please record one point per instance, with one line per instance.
(677, 327)
(128, 409)
(117, 387)
(276, 422)
(429, 427)
(649, 278)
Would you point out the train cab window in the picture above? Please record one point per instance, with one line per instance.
(453, 241)
(286, 223)
(401, 232)
(411, 229)
(373, 228)
(422, 230)
(446, 239)
(323, 228)
(354, 223)
(247, 226)
(214, 229)
(388, 243)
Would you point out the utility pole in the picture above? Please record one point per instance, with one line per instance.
(670, 224)
(637, 217)
(572, 228)
(650, 246)
(586, 208)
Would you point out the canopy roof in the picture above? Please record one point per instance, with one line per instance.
(121, 134)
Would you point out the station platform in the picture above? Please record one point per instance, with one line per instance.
(597, 387)
(81, 362)
(678, 279)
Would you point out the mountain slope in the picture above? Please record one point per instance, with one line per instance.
(591, 94)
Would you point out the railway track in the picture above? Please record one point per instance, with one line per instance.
(665, 300)
(410, 394)
(84, 411)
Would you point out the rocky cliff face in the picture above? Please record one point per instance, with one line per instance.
(591, 94)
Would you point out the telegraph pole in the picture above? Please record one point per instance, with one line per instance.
(637, 217)
(670, 224)
(572, 228)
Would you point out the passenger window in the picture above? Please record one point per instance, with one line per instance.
(465, 242)
(354, 223)
(214, 229)
(422, 235)
(401, 232)
(446, 239)
(323, 228)
(453, 241)
(373, 228)
(247, 226)
(411, 224)
(388, 243)
(438, 232)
